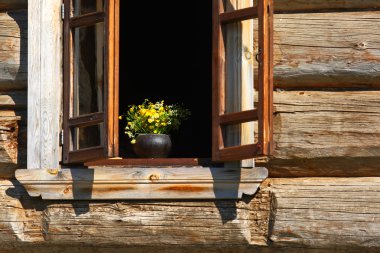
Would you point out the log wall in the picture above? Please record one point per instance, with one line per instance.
(286, 215)
(327, 78)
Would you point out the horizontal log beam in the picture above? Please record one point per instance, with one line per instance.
(327, 50)
(287, 215)
(13, 50)
(314, 124)
(325, 133)
(322, 5)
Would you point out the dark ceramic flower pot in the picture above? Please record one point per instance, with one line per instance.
(152, 146)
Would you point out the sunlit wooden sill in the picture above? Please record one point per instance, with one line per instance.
(151, 162)
(109, 183)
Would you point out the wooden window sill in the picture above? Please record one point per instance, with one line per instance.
(111, 183)
(151, 162)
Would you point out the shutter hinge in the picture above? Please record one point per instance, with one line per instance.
(63, 11)
(259, 56)
(61, 138)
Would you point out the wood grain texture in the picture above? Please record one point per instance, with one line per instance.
(13, 133)
(142, 183)
(34, 84)
(314, 215)
(314, 124)
(326, 213)
(326, 133)
(327, 49)
(45, 83)
(322, 5)
(6, 5)
(13, 50)
(8, 142)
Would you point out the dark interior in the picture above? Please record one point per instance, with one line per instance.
(165, 54)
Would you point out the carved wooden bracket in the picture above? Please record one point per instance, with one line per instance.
(142, 183)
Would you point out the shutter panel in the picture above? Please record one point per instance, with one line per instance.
(90, 106)
(234, 113)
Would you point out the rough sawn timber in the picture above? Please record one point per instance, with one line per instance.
(287, 215)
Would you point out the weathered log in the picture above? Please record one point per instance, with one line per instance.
(13, 133)
(326, 133)
(286, 215)
(6, 5)
(322, 5)
(13, 50)
(327, 49)
(314, 124)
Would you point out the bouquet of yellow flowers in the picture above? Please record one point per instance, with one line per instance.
(153, 118)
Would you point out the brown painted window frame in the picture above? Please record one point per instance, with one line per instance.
(264, 111)
(110, 16)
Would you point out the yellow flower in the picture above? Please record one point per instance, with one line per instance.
(155, 131)
(133, 141)
(129, 123)
(156, 115)
(163, 123)
(120, 117)
(150, 120)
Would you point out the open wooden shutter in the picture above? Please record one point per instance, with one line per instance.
(234, 113)
(90, 109)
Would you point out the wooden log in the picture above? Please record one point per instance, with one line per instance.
(6, 5)
(12, 154)
(287, 215)
(326, 213)
(326, 133)
(322, 5)
(327, 50)
(13, 50)
(314, 124)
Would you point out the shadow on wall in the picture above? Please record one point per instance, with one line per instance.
(16, 88)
